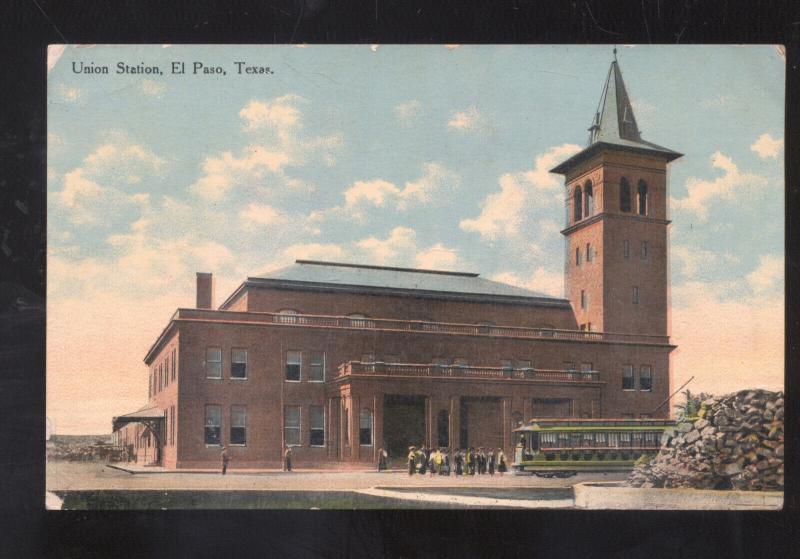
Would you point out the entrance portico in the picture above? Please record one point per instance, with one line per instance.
(396, 405)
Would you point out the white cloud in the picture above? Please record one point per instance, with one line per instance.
(261, 215)
(401, 240)
(70, 94)
(717, 102)
(769, 274)
(277, 142)
(728, 338)
(152, 88)
(314, 251)
(468, 119)
(768, 147)
(100, 189)
(693, 261)
(408, 111)
(438, 257)
(509, 212)
(542, 280)
(280, 113)
(436, 182)
(731, 184)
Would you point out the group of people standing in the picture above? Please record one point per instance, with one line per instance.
(445, 462)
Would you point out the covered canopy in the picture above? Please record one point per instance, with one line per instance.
(147, 416)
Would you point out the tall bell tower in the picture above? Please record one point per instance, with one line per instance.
(617, 266)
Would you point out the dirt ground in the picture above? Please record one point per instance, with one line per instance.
(74, 476)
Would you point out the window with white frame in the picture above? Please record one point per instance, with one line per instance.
(294, 363)
(213, 428)
(645, 378)
(627, 377)
(316, 367)
(365, 427)
(316, 426)
(291, 425)
(213, 362)
(238, 425)
(239, 363)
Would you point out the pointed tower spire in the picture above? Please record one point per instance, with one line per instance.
(614, 119)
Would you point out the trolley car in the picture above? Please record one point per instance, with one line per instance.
(563, 447)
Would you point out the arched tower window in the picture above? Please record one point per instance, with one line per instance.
(641, 198)
(624, 195)
(588, 199)
(577, 203)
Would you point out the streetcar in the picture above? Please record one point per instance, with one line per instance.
(562, 447)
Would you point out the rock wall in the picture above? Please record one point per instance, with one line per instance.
(735, 442)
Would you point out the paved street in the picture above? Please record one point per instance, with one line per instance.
(72, 476)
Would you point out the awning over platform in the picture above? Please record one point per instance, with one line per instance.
(148, 416)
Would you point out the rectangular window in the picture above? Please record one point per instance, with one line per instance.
(291, 425)
(213, 425)
(586, 368)
(507, 364)
(294, 362)
(524, 364)
(569, 366)
(627, 377)
(645, 378)
(316, 420)
(584, 300)
(635, 295)
(238, 363)
(213, 362)
(626, 249)
(588, 252)
(644, 250)
(365, 427)
(577, 256)
(316, 371)
(174, 362)
(238, 425)
(160, 377)
(166, 372)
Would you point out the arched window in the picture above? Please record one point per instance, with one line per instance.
(641, 197)
(443, 429)
(624, 195)
(588, 199)
(365, 427)
(577, 204)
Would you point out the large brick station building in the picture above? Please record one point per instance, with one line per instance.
(338, 360)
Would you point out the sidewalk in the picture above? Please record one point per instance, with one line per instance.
(133, 468)
(613, 495)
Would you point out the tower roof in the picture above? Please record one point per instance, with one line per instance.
(614, 124)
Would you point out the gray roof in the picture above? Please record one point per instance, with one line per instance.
(338, 275)
(614, 123)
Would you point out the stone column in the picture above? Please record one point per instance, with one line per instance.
(355, 416)
(429, 426)
(342, 436)
(526, 410)
(455, 422)
(377, 425)
(506, 419)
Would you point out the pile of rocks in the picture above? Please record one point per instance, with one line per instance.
(736, 441)
(87, 453)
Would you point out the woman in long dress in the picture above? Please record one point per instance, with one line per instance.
(502, 467)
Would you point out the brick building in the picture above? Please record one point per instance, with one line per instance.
(338, 360)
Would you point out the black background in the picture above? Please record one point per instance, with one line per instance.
(26, 530)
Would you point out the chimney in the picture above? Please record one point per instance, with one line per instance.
(205, 290)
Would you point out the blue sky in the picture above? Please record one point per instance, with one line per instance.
(403, 155)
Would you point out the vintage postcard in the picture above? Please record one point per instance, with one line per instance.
(442, 276)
